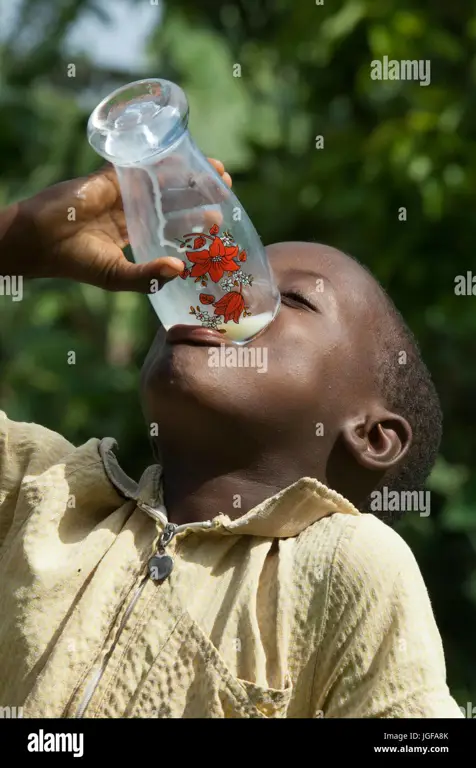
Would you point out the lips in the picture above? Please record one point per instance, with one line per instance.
(194, 334)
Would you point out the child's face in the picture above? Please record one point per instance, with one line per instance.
(321, 355)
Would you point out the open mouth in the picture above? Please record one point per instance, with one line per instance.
(194, 334)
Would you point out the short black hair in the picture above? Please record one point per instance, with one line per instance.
(408, 387)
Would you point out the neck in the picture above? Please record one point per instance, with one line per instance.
(195, 491)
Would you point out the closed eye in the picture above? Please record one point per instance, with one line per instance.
(298, 298)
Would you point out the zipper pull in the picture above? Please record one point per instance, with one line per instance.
(161, 564)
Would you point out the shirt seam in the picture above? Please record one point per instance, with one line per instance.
(88, 667)
(135, 628)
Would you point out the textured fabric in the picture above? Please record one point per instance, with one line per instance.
(302, 607)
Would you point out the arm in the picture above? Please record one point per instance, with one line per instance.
(76, 230)
(38, 238)
(380, 651)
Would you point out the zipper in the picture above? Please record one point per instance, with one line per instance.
(161, 564)
(159, 568)
(99, 671)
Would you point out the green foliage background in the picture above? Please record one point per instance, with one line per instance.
(305, 71)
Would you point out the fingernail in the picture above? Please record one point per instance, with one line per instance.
(168, 272)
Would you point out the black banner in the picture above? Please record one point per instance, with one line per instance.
(90, 740)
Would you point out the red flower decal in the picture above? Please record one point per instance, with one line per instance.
(220, 259)
(230, 306)
(215, 261)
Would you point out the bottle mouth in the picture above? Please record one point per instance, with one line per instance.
(132, 114)
(138, 121)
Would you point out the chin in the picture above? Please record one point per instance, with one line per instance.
(193, 402)
(184, 365)
(181, 378)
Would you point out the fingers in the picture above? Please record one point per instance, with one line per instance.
(220, 168)
(196, 220)
(182, 187)
(143, 278)
(217, 164)
(204, 191)
(107, 170)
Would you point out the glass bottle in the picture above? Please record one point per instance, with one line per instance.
(176, 204)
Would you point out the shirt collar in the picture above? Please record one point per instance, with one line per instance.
(283, 515)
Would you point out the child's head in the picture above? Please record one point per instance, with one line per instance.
(345, 397)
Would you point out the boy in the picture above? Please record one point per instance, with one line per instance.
(242, 579)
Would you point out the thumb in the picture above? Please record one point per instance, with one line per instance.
(143, 278)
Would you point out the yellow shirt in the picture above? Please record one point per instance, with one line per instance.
(301, 607)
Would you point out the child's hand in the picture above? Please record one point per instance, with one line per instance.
(77, 229)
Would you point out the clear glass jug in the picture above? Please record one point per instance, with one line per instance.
(176, 204)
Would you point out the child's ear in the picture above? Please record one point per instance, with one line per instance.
(379, 439)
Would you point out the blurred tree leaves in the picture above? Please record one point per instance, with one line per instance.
(304, 72)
